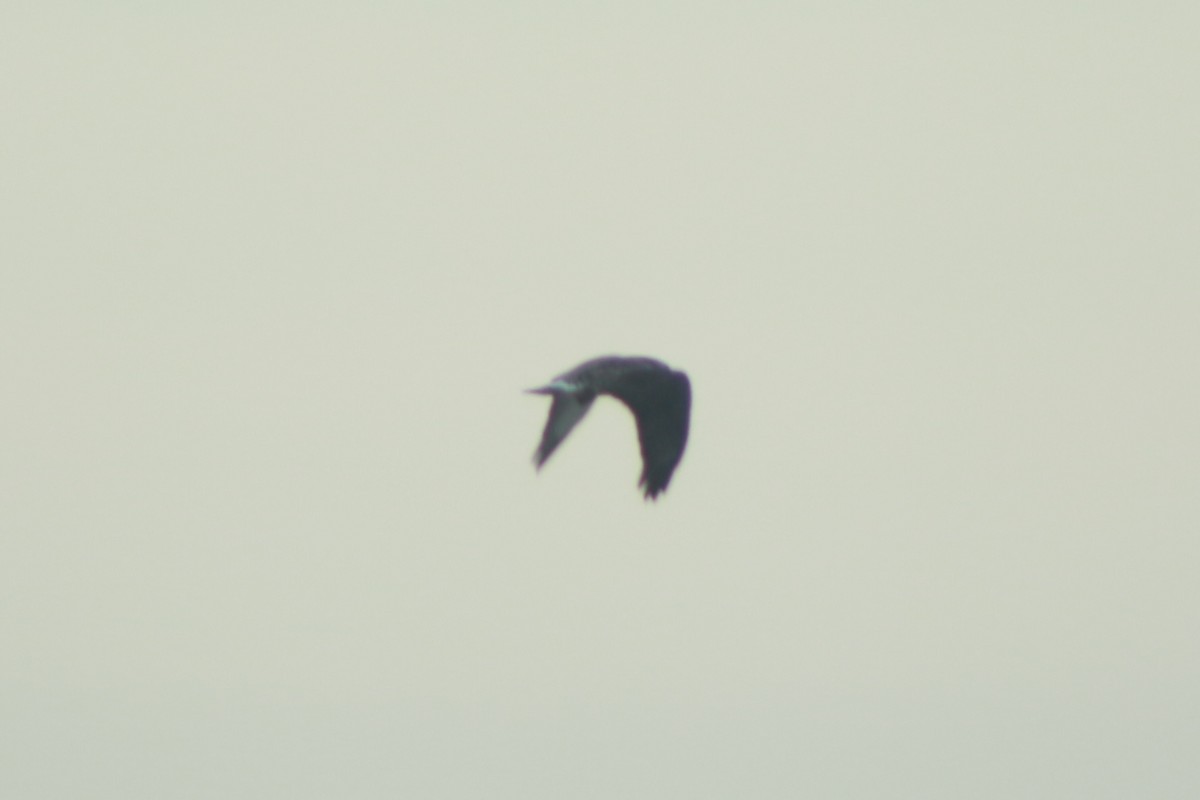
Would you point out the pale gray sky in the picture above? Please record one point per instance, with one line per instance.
(275, 276)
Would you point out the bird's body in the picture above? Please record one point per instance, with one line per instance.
(659, 397)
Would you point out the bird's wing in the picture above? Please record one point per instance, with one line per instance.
(661, 402)
(565, 413)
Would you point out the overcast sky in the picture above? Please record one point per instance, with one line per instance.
(275, 276)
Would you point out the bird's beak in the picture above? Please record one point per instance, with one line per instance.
(551, 388)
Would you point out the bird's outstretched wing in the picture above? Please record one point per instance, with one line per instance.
(565, 413)
(661, 401)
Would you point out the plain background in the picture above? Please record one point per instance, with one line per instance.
(276, 274)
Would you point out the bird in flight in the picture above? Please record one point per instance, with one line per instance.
(659, 397)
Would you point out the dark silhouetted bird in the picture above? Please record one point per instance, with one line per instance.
(659, 397)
